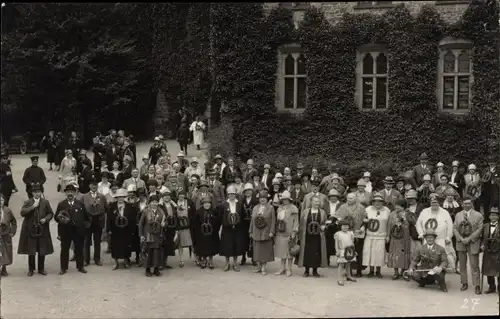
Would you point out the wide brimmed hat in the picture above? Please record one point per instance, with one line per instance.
(333, 192)
(286, 195)
(378, 197)
(471, 166)
(152, 182)
(278, 175)
(300, 166)
(154, 198)
(427, 177)
(206, 199)
(444, 175)
(430, 232)
(70, 188)
(440, 164)
(165, 191)
(120, 193)
(494, 210)
(450, 192)
(304, 174)
(276, 181)
(218, 156)
(250, 162)
(231, 190)
(264, 194)
(267, 166)
(400, 178)
(181, 154)
(296, 180)
(194, 160)
(204, 183)
(36, 187)
(389, 180)
(211, 172)
(131, 188)
(367, 174)
(411, 194)
(343, 222)
(423, 157)
(455, 164)
(361, 182)
(34, 158)
(247, 187)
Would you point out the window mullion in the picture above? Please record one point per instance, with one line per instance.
(374, 98)
(455, 93)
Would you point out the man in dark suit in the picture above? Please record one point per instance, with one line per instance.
(456, 178)
(33, 175)
(229, 171)
(491, 185)
(430, 260)
(95, 204)
(216, 188)
(422, 169)
(7, 186)
(85, 176)
(112, 154)
(73, 220)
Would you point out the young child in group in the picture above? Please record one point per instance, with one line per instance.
(344, 244)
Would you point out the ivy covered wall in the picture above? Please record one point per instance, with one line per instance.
(332, 128)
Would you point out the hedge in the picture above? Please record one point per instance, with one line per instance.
(332, 128)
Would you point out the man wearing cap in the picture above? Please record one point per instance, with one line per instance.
(73, 223)
(216, 188)
(456, 178)
(473, 186)
(195, 168)
(422, 169)
(95, 204)
(36, 210)
(86, 176)
(183, 162)
(154, 151)
(33, 175)
(491, 247)
(7, 185)
(323, 200)
(229, 171)
(134, 180)
(332, 211)
(219, 165)
(431, 257)
(198, 129)
(300, 170)
(247, 174)
(362, 195)
(390, 194)
(377, 217)
(491, 186)
(468, 228)
(121, 236)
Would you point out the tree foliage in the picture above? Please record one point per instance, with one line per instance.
(81, 67)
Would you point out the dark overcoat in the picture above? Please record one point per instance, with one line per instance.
(121, 238)
(27, 244)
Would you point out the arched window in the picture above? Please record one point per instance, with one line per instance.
(372, 78)
(455, 75)
(292, 90)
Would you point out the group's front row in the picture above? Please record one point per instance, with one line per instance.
(154, 226)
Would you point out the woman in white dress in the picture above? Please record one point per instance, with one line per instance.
(198, 129)
(68, 167)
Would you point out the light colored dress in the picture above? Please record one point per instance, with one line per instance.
(287, 224)
(67, 176)
(184, 235)
(374, 253)
(342, 241)
(198, 129)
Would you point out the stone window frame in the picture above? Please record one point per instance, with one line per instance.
(456, 47)
(374, 4)
(375, 50)
(452, 2)
(283, 51)
(295, 5)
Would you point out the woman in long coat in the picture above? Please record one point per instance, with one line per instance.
(183, 136)
(399, 256)
(287, 227)
(249, 201)
(29, 245)
(453, 207)
(206, 233)
(185, 213)
(170, 229)
(312, 238)
(152, 214)
(8, 228)
(262, 229)
(232, 233)
(49, 142)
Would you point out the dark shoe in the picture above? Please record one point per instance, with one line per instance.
(148, 273)
(395, 277)
(464, 287)
(379, 275)
(30, 273)
(98, 263)
(243, 261)
(478, 290)
(82, 270)
(421, 285)
(62, 272)
(351, 279)
(359, 274)
(4, 272)
(42, 272)
(315, 274)
(443, 289)
(370, 274)
(167, 267)
(226, 267)
(306, 274)
(236, 268)
(72, 258)
(490, 290)
(117, 265)
(157, 272)
(86, 263)
(211, 266)
(126, 265)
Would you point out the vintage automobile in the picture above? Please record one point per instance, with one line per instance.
(23, 144)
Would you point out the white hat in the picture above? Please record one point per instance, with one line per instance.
(156, 138)
(278, 175)
(160, 137)
(471, 166)
(231, 190)
(427, 177)
(367, 174)
(145, 156)
(181, 154)
(131, 188)
(164, 190)
(286, 195)
(250, 162)
(248, 186)
(276, 181)
(120, 193)
(454, 164)
(194, 160)
(440, 164)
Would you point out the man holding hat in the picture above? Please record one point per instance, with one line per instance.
(468, 228)
(422, 169)
(95, 204)
(33, 175)
(432, 260)
(7, 185)
(390, 194)
(323, 200)
(491, 247)
(73, 220)
(491, 186)
(121, 224)
(36, 211)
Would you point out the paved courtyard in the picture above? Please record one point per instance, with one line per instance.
(192, 292)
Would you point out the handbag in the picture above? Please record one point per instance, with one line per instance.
(294, 247)
(59, 188)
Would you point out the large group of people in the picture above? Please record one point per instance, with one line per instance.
(423, 225)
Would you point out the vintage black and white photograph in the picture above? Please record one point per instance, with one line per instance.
(250, 160)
